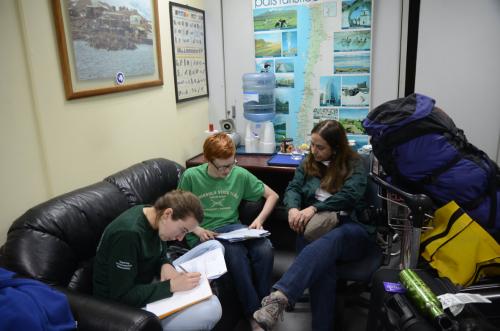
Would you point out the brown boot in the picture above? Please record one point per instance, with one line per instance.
(272, 309)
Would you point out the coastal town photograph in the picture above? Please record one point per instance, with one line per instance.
(111, 36)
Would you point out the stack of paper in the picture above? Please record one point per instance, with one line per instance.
(243, 234)
(211, 264)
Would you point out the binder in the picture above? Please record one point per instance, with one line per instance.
(283, 160)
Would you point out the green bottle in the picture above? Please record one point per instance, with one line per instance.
(424, 299)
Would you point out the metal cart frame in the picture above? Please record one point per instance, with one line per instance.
(409, 225)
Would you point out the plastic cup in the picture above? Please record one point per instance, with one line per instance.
(297, 154)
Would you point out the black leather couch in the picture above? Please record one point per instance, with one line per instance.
(55, 241)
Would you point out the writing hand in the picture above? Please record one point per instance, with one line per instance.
(185, 281)
(168, 272)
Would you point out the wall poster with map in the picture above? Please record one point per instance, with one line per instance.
(320, 52)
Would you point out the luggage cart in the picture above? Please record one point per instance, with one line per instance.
(407, 214)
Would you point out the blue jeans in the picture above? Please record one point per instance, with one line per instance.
(315, 268)
(203, 315)
(250, 264)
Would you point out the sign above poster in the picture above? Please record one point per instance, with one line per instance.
(279, 3)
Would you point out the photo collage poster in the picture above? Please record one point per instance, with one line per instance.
(320, 53)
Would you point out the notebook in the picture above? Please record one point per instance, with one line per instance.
(180, 300)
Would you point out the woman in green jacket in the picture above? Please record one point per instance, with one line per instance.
(331, 178)
(131, 264)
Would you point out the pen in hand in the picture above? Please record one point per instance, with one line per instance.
(182, 268)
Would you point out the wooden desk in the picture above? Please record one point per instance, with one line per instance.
(275, 177)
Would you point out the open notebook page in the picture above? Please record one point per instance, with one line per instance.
(211, 264)
(180, 300)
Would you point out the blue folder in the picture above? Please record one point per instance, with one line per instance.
(283, 160)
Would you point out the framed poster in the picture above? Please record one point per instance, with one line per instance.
(108, 46)
(321, 54)
(187, 26)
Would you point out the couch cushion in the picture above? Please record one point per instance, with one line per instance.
(51, 240)
(146, 181)
(82, 279)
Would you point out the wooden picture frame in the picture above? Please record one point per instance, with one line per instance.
(189, 55)
(106, 48)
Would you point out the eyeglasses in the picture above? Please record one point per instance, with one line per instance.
(225, 167)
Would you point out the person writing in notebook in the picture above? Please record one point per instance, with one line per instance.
(221, 185)
(132, 253)
(331, 178)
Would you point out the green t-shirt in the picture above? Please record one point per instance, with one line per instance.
(129, 256)
(220, 197)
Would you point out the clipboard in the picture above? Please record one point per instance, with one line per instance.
(180, 300)
(283, 160)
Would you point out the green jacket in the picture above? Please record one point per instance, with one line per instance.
(300, 192)
(129, 256)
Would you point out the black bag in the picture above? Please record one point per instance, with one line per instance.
(394, 311)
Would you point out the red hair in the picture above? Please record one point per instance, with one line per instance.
(218, 146)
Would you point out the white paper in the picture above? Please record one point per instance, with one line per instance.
(456, 302)
(243, 234)
(180, 300)
(210, 264)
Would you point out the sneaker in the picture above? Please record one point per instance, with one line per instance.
(272, 309)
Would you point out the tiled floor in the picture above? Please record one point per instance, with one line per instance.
(354, 316)
(354, 319)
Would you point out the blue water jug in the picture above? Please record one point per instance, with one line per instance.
(258, 96)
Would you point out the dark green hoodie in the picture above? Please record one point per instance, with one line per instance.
(129, 256)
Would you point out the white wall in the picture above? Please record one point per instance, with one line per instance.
(23, 180)
(50, 145)
(458, 65)
(215, 60)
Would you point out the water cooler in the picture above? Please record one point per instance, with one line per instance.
(259, 110)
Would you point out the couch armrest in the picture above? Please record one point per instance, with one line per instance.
(94, 314)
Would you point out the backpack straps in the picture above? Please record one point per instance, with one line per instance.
(492, 189)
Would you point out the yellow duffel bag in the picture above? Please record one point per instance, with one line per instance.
(459, 248)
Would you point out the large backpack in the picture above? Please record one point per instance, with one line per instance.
(420, 147)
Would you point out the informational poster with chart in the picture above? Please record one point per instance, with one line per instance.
(320, 52)
(187, 25)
